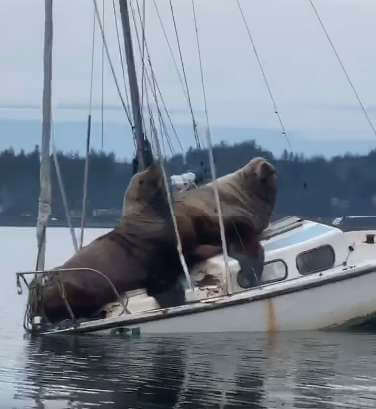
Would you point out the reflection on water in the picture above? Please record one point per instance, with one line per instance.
(297, 370)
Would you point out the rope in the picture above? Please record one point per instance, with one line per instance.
(153, 84)
(164, 133)
(352, 86)
(141, 44)
(63, 195)
(200, 61)
(141, 50)
(162, 125)
(102, 82)
(185, 78)
(155, 87)
(171, 51)
(63, 295)
(88, 137)
(166, 110)
(92, 66)
(120, 52)
(175, 224)
(264, 76)
(159, 153)
(112, 66)
(227, 281)
(60, 180)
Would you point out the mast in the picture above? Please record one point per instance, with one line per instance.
(142, 154)
(44, 206)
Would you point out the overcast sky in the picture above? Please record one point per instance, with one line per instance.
(315, 101)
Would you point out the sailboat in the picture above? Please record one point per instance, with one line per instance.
(314, 276)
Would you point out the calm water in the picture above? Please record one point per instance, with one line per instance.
(295, 370)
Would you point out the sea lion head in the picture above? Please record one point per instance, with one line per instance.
(261, 179)
(145, 189)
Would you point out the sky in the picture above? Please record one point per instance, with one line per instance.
(317, 105)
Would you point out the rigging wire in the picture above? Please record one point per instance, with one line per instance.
(153, 84)
(171, 51)
(200, 62)
(63, 192)
(112, 66)
(142, 52)
(153, 129)
(339, 59)
(120, 52)
(158, 93)
(143, 21)
(92, 65)
(151, 123)
(88, 139)
(185, 77)
(179, 246)
(102, 82)
(227, 281)
(264, 76)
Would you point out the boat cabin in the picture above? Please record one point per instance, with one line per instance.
(294, 249)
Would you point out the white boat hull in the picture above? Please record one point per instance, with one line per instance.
(342, 298)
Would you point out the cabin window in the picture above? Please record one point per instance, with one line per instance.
(275, 270)
(318, 259)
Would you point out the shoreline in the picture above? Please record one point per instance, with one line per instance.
(31, 221)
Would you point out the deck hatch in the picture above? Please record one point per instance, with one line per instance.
(298, 236)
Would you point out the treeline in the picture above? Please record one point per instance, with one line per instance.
(343, 185)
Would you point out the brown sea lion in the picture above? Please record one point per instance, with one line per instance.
(141, 251)
(142, 243)
(247, 198)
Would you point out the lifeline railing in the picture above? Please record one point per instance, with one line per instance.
(57, 272)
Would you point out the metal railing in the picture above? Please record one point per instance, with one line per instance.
(60, 284)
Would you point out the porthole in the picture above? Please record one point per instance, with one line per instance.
(318, 259)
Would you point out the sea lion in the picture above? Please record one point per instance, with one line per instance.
(247, 198)
(143, 242)
(142, 253)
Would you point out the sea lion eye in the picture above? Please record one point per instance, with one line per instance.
(141, 182)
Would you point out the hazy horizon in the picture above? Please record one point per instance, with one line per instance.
(70, 136)
(315, 101)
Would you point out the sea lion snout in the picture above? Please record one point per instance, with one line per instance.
(268, 181)
(145, 188)
(262, 168)
(263, 179)
(267, 174)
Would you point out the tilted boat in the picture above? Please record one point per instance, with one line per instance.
(315, 276)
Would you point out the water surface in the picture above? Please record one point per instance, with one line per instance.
(291, 370)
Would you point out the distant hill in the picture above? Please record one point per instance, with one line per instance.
(343, 185)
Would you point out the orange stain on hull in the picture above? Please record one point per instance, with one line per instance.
(272, 318)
